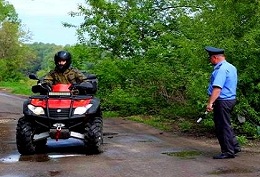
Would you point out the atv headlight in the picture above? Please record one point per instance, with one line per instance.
(82, 110)
(36, 110)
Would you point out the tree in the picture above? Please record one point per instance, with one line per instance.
(234, 25)
(127, 28)
(140, 31)
(14, 56)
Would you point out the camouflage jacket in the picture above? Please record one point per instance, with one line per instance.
(69, 76)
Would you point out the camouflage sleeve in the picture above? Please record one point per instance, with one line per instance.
(80, 76)
(49, 78)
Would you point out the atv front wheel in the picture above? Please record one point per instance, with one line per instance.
(94, 135)
(24, 137)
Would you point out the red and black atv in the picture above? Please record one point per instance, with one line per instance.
(61, 112)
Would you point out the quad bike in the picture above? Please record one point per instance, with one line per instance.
(61, 112)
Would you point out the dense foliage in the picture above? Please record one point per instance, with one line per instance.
(149, 55)
(43, 61)
(15, 57)
(152, 56)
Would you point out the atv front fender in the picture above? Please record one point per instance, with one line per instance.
(26, 111)
(96, 104)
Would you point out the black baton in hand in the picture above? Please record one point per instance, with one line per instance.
(202, 117)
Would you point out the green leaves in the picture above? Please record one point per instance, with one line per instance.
(13, 54)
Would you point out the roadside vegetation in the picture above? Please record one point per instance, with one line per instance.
(149, 58)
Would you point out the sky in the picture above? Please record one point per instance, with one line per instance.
(43, 18)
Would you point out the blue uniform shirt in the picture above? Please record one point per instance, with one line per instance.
(225, 77)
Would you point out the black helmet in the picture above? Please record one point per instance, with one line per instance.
(62, 55)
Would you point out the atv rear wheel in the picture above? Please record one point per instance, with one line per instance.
(24, 137)
(94, 135)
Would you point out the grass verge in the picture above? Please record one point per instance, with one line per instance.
(154, 121)
(23, 87)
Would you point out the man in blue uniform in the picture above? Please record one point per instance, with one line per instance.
(222, 99)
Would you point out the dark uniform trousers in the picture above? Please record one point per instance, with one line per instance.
(224, 131)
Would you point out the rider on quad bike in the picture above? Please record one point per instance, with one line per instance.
(64, 108)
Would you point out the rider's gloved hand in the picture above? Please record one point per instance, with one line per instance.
(45, 85)
(73, 86)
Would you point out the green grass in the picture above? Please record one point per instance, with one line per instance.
(185, 126)
(154, 121)
(23, 87)
(242, 140)
(110, 114)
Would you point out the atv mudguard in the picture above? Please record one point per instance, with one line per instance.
(95, 107)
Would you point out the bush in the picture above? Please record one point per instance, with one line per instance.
(185, 126)
(242, 140)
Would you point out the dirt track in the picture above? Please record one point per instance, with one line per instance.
(130, 149)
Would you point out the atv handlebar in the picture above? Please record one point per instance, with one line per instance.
(87, 87)
(41, 88)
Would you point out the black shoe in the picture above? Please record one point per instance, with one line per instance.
(223, 156)
(237, 150)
